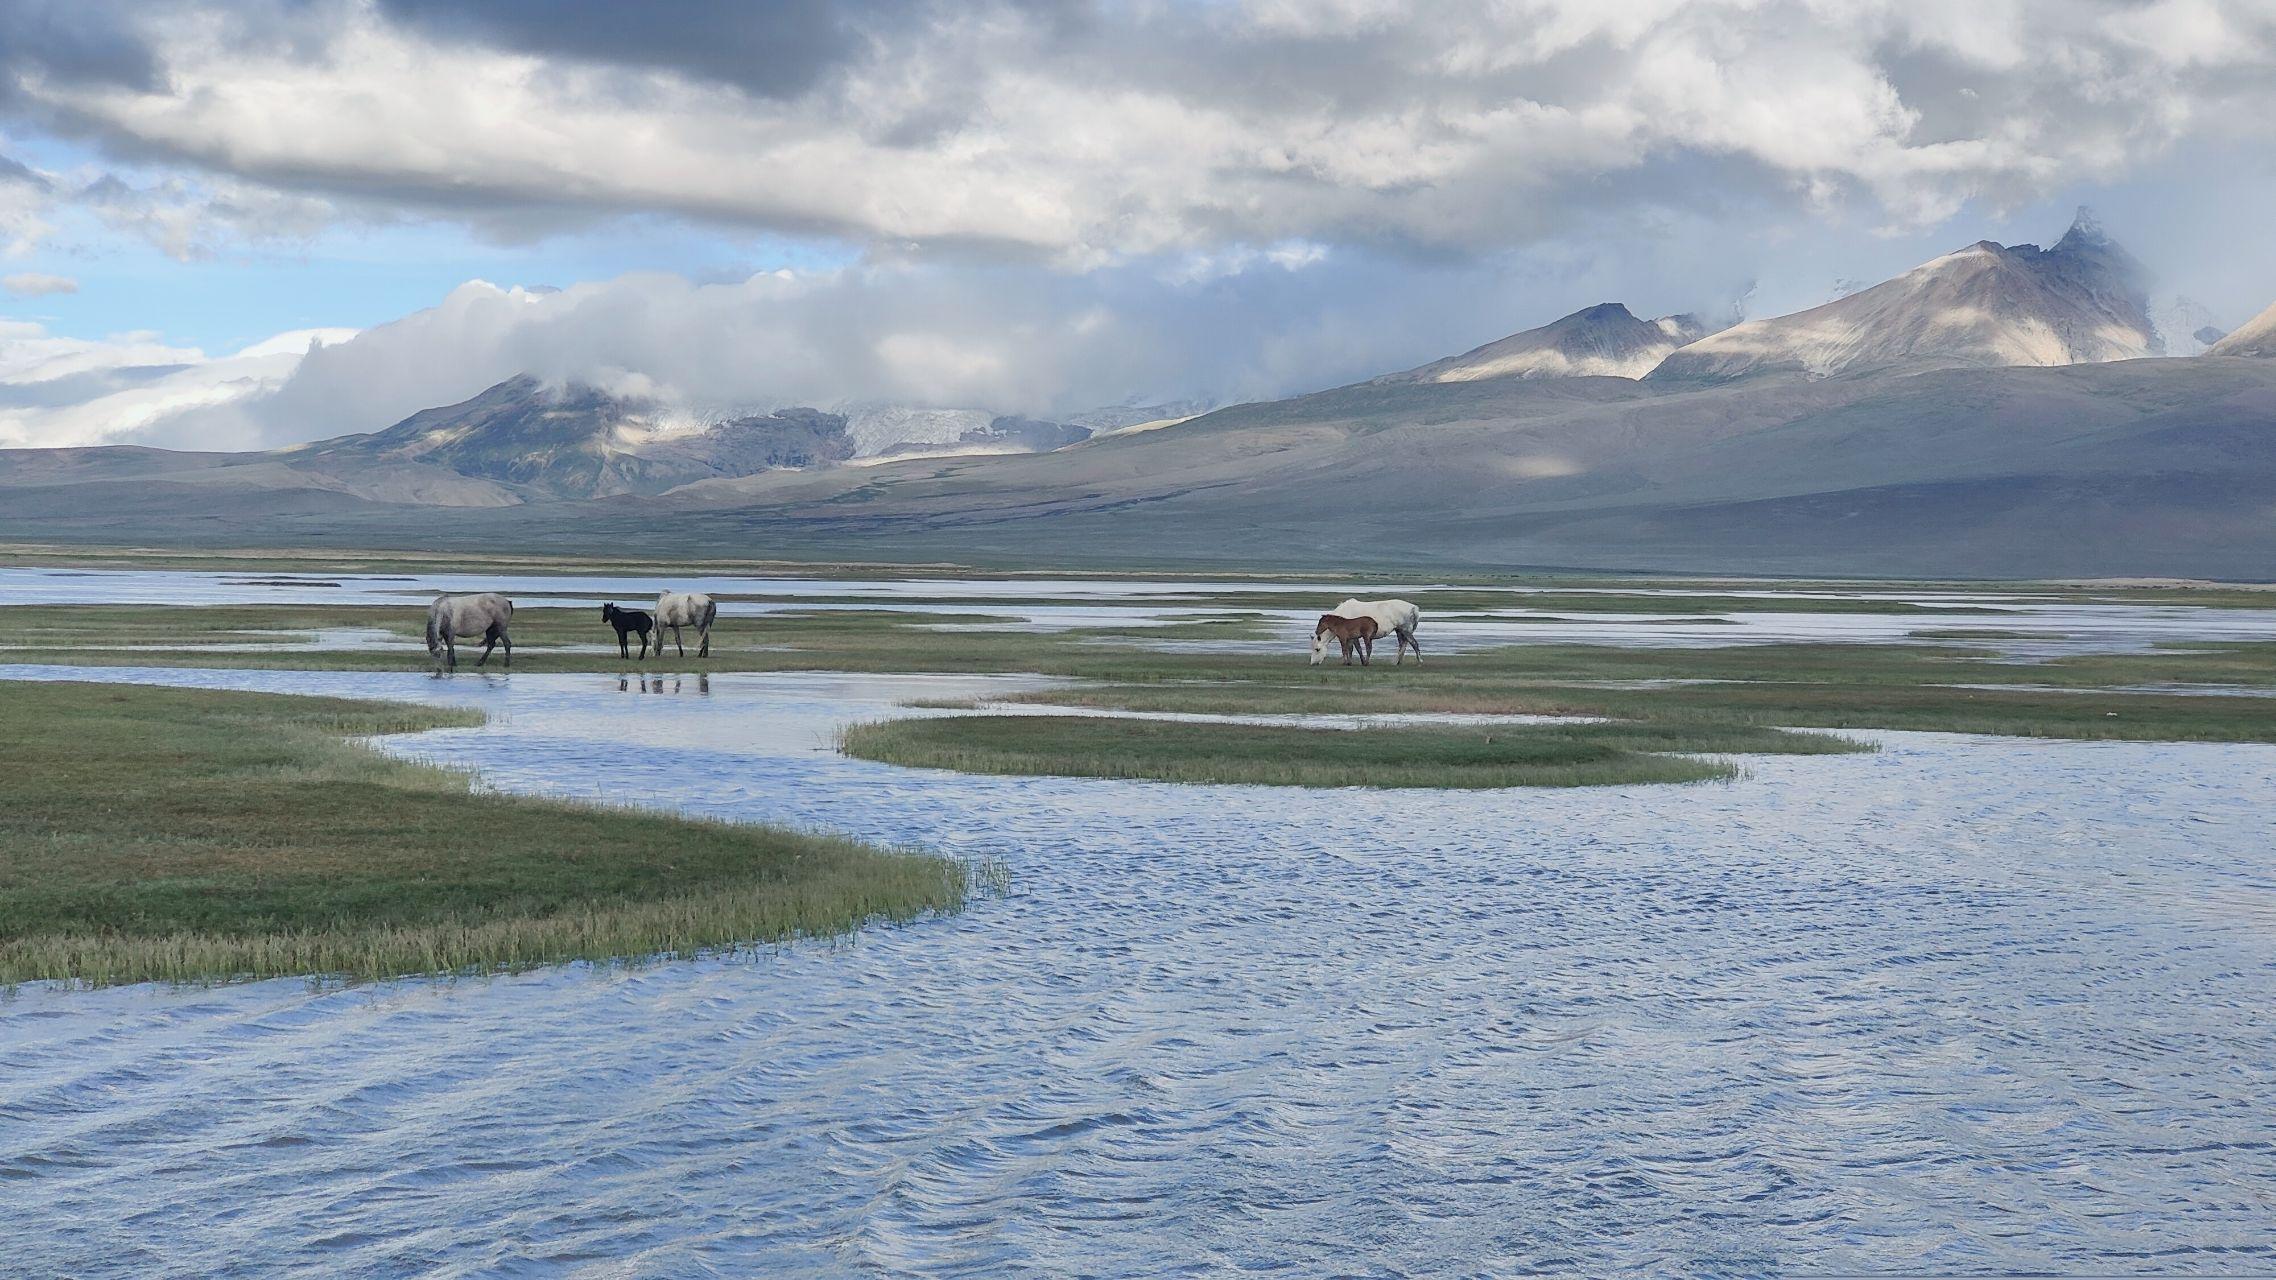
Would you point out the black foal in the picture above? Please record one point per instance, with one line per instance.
(627, 621)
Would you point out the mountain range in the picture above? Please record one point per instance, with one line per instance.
(1999, 411)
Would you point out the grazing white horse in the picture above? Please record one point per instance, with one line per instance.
(451, 617)
(1396, 617)
(676, 609)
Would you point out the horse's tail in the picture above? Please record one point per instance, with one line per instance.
(710, 610)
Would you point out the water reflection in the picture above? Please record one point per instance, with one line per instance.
(665, 684)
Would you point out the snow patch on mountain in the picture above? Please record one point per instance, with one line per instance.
(876, 428)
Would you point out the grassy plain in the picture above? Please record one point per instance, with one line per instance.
(191, 835)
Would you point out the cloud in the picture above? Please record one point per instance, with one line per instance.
(68, 391)
(1053, 206)
(190, 218)
(1005, 338)
(777, 50)
(1093, 133)
(187, 217)
(26, 198)
(1000, 337)
(33, 284)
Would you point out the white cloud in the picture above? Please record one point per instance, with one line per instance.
(1005, 339)
(1094, 135)
(35, 284)
(196, 218)
(67, 391)
(1008, 340)
(26, 205)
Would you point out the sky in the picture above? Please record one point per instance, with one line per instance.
(238, 225)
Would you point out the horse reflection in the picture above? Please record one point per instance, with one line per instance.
(664, 684)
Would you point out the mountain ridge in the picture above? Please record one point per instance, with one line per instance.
(2255, 338)
(1606, 340)
(1988, 304)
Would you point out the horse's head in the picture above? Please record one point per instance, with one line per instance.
(1320, 642)
(608, 613)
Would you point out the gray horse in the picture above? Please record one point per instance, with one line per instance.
(676, 609)
(452, 617)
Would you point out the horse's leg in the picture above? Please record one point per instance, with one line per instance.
(506, 638)
(623, 646)
(643, 647)
(703, 650)
(676, 642)
(450, 649)
(1414, 644)
(489, 642)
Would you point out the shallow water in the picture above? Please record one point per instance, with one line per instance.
(1964, 1005)
(2047, 628)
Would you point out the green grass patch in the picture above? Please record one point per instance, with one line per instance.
(1578, 755)
(2031, 713)
(1876, 702)
(46, 629)
(198, 835)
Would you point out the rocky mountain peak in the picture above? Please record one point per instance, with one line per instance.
(1988, 304)
(1605, 340)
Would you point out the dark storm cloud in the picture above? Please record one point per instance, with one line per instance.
(12, 170)
(75, 41)
(776, 49)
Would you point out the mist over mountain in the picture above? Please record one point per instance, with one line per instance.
(2186, 327)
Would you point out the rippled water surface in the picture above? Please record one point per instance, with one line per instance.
(1964, 1005)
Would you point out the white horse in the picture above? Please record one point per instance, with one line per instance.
(451, 617)
(676, 609)
(1397, 617)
